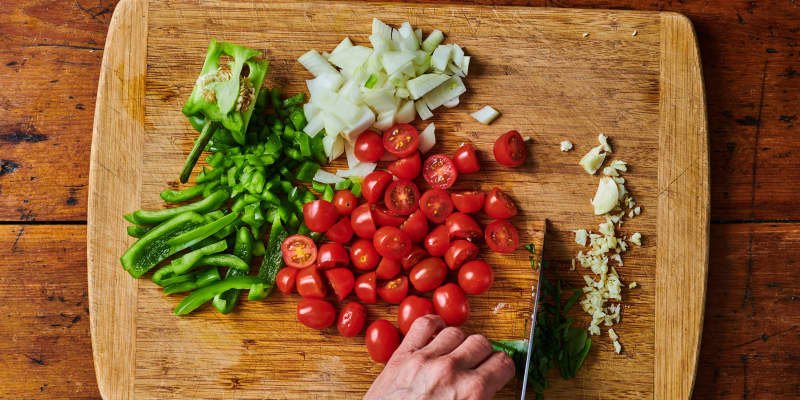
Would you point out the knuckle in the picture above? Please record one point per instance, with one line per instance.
(479, 342)
(476, 384)
(447, 364)
(417, 360)
(506, 363)
(427, 322)
(453, 333)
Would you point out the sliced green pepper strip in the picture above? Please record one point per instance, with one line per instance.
(137, 231)
(210, 187)
(259, 249)
(294, 154)
(201, 296)
(298, 119)
(177, 196)
(272, 263)
(154, 246)
(243, 201)
(253, 215)
(286, 186)
(342, 185)
(210, 203)
(307, 171)
(243, 249)
(304, 143)
(328, 194)
(209, 175)
(198, 280)
(308, 197)
(196, 235)
(215, 160)
(224, 260)
(318, 149)
(318, 187)
(271, 198)
(184, 263)
(197, 149)
(295, 100)
(356, 189)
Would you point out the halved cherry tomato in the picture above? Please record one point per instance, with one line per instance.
(411, 308)
(436, 205)
(499, 205)
(374, 184)
(475, 277)
(369, 147)
(285, 279)
(439, 171)
(459, 252)
(382, 339)
(351, 319)
(407, 168)
(510, 150)
(451, 304)
(362, 223)
(363, 255)
(316, 313)
(366, 288)
(299, 251)
(438, 241)
(401, 140)
(309, 283)
(416, 227)
(395, 290)
(384, 217)
(332, 255)
(501, 236)
(466, 160)
(391, 242)
(319, 215)
(468, 201)
(428, 274)
(462, 226)
(413, 258)
(341, 280)
(341, 232)
(401, 197)
(345, 202)
(388, 268)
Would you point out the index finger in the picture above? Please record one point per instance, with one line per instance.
(421, 332)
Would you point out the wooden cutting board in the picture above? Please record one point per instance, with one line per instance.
(550, 80)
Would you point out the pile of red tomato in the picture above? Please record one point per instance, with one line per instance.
(400, 239)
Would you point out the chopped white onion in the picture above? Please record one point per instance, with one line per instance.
(310, 110)
(441, 56)
(423, 84)
(427, 139)
(422, 110)
(394, 61)
(384, 120)
(458, 55)
(361, 170)
(465, 65)
(316, 64)
(349, 151)
(326, 177)
(314, 125)
(485, 115)
(433, 40)
(381, 30)
(351, 58)
(366, 120)
(453, 87)
(332, 124)
(451, 103)
(346, 43)
(380, 100)
(406, 112)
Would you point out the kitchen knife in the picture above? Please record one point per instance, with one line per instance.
(538, 274)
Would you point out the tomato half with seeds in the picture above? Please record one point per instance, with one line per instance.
(299, 251)
(319, 215)
(415, 226)
(466, 160)
(437, 241)
(436, 205)
(285, 279)
(401, 140)
(341, 232)
(468, 201)
(384, 217)
(411, 308)
(342, 281)
(451, 304)
(459, 252)
(366, 288)
(439, 171)
(402, 197)
(369, 147)
(310, 284)
(374, 184)
(362, 222)
(475, 277)
(502, 237)
(462, 226)
(345, 202)
(408, 167)
(315, 313)
(391, 242)
(416, 255)
(382, 339)
(351, 319)
(388, 268)
(363, 255)
(395, 290)
(509, 149)
(499, 205)
(332, 255)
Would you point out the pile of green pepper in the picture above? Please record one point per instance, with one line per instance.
(257, 155)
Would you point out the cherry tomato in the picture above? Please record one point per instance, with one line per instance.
(369, 147)
(341, 232)
(285, 279)
(510, 150)
(401, 197)
(466, 160)
(374, 184)
(345, 202)
(413, 258)
(388, 268)
(428, 274)
(411, 308)
(332, 255)
(342, 281)
(320, 215)
(362, 223)
(499, 205)
(439, 171)
(462, 226)
(382, 340)
(299, 251)
(391, 242)
(459, 252)
(395, 290)
(501, 236)
(315, 313)
(401, 140)
(363, 255)
(309, 283)
(351, 319)
(416, 227)
(384, 217)
(407, 168)
(436, 205)
(475, 277)
(451, 304)
(468, 201)
(438, 241)
(366, 289)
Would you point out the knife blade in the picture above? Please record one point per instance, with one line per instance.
(538, 274)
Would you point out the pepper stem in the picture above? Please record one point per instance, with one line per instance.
(205, 135)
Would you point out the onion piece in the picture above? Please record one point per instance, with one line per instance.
(314, 125)
(351, 58)
(316, 64)
(485, 115)
(451, 103)
(433, 40)
(405, 113)
(366, 120)
(441, 56)
(349, 151)
(427, 138)
(346, 43)
(361, 170)
(453, 87)
(423, 84)
(326, 177)
(385, 120)
(422, 110)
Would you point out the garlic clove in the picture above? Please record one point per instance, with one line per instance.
(606, 197)
(592, 161)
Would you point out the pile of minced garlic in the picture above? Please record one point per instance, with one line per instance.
(603, 291)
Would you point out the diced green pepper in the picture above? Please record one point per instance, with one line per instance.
(307, 171)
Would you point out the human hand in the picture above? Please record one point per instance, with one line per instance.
(434, 362)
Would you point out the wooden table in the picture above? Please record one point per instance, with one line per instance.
(50, 66)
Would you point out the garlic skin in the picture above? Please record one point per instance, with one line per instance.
(606, 197)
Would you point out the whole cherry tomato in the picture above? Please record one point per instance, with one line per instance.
(407, 168)
(438, 241)
(428, 274)
(388, 268)
(501, 236)
(402, 197)
(499, 205)
(415, 226)
(363, 255)
(395, 290)
(459, 252)
(439, 171)
(510, 150)
(468, 201)
(320, 215)
(413, 258)
(342, 281)
(352, 319)
(374, 184)
(391, 242)
(436, 205)
(366, 288)
(411, 308)
(341, 232)
(299, 251)
(285, 279)
(462, 226)
(451, 304)
(315, 313)
(466, 160)
(345, 202)
(401, 140)
(475, 277)
(382, 339)
(369, 147)
(332, 255)
(362, 222)
(309, 283)
(384, 217)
